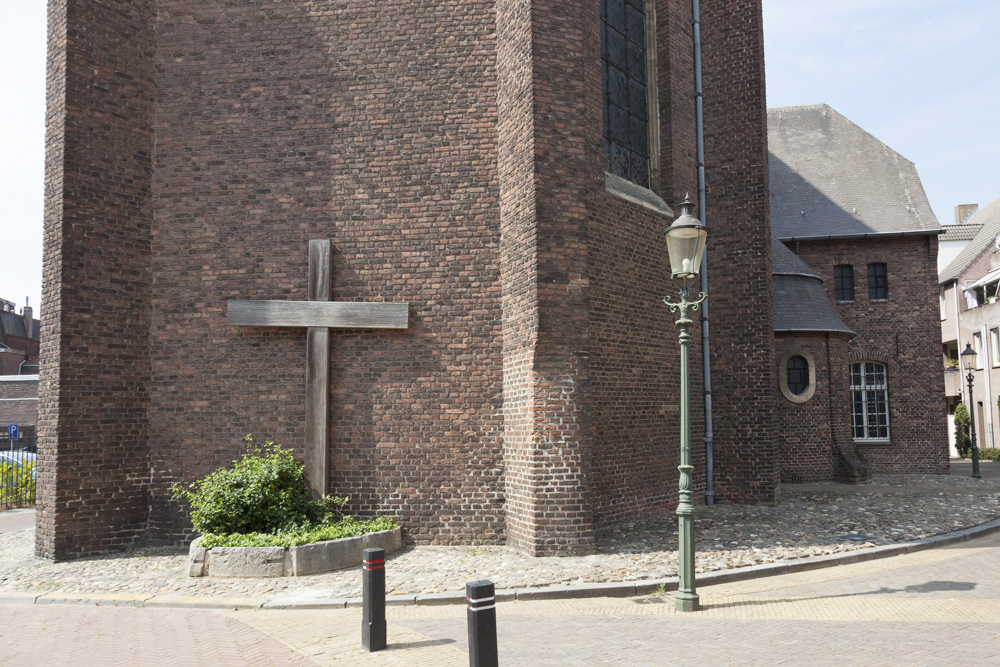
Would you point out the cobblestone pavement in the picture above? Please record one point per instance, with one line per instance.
(812, 520)
(936, 607)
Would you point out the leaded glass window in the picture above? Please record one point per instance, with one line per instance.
(869, 401)
(626, 105)
(843, 282)
(878, 282)
(797, 375)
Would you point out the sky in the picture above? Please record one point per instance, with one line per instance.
(923, 76)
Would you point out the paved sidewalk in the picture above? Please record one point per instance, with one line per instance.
(938, 607)
(78, 636)
(14, 520)
(934, 607)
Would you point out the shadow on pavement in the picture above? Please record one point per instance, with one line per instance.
(421, 644)
(929, 587)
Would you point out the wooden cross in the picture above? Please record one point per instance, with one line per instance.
(318, 315)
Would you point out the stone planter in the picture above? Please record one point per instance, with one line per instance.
(290, 562)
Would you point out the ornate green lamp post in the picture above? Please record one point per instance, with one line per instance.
(685, 244)
(969, 360)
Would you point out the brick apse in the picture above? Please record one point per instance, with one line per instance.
(452, 153)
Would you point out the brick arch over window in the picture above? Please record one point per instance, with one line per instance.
(863, 354)
(860, 259)
(876, 258)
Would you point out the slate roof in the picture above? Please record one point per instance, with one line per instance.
(831, 178)
(963, 232)
(800, 302)
(988, 220)
(12, 324)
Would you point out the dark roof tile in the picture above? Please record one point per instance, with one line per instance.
(800, 302)
(831, 178)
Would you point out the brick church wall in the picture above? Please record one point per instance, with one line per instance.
(635, 369)
(903, 333)
(94, 382)
(452, 153)
(811, 434)
(548, 168)
(739, 256)
(372, 124)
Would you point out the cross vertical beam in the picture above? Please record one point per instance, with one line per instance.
(317, 458)
(317, 316)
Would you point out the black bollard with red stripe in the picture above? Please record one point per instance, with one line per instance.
(373, 600)
(482, 615)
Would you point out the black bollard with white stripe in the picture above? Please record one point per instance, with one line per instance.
(373, 600)
(482, 615)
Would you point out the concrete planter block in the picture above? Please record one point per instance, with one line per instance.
(247, 561)
(325, 556)
(390, 540)
(295, 561)
(198, 560)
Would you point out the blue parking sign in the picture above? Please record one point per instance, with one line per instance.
(12, 431)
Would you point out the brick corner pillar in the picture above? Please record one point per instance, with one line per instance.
(739, 255)
(548, 446)
(94, 393)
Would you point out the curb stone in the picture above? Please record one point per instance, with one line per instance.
(199, 602)
(607, 589)
(95, 599)
(331, 603)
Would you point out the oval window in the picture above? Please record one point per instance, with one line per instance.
(796, 371)
(797, 375)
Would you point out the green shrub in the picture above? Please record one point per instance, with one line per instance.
(346, 527)
(264, 492)
(989, 454)
(20, 483)
(963, 443)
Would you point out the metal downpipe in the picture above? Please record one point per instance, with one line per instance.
(705, 350)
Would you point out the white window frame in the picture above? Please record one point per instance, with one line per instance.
(977, 345)
(866, 393)
(995, 347)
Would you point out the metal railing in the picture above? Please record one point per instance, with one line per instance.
(18, 472)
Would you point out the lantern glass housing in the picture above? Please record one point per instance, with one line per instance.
(686, 243)
(969, 357)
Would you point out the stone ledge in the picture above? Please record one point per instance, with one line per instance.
(291, 562)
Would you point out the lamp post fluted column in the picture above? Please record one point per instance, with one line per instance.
(969, 357)
(687, 597)
(972, 432)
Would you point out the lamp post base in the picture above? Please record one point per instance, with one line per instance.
(686, 602)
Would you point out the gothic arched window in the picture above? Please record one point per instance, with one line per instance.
(627, 39)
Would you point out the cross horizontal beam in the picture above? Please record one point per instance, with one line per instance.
(334, 314)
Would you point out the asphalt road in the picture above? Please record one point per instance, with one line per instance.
(987, 469)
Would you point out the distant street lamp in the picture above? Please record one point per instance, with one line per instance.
(969, 361)
(685, 245)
